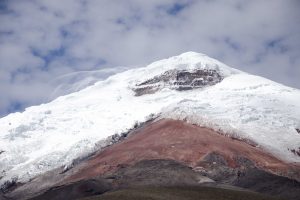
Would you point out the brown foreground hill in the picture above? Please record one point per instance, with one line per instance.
(170, 159)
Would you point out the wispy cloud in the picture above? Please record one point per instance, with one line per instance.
(43, 40)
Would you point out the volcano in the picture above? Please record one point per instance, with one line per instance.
(186, 127)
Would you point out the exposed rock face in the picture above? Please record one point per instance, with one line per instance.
(296, 152)
(179, 80)
(156, 173)
(9, 185)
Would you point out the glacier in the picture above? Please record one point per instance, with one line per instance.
(76, 81)
(240, 105)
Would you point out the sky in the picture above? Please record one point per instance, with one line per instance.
(44, 40)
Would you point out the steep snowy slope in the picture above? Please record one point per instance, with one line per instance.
(73, 82)
(190, 86)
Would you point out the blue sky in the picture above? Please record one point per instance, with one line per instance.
(42, 40)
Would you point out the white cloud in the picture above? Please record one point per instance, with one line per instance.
(42, 40)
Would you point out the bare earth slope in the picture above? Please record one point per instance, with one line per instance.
(183, 142)
(168, 153)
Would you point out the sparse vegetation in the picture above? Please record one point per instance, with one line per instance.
(179, 193)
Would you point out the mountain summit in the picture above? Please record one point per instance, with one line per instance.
(191, 87)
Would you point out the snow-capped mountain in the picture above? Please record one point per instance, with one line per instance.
(191, 87)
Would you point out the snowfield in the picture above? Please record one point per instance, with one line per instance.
(51, 135)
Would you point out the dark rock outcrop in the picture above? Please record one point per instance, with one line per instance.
(179, 80)
(249, 176)
(155, 173)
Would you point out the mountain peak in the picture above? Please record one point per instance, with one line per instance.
(186, 71)
(186, 62)
(191, 87)
(191, 54)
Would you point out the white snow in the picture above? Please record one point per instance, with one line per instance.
(75, 81)
(51, 135)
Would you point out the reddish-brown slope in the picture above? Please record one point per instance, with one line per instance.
(177, 140)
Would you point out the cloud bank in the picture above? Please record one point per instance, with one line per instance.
(41, 41)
